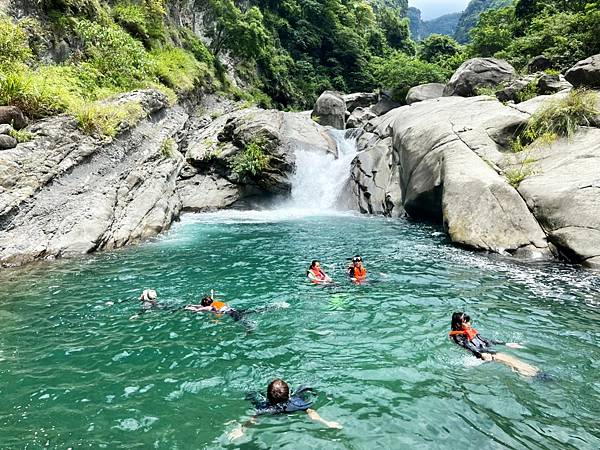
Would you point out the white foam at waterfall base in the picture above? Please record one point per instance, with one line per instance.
(320, 177)
(316, 187)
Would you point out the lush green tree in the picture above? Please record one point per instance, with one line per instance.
(399, 72)
(438, 46)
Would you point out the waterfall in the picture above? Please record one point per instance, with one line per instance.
(320, 177)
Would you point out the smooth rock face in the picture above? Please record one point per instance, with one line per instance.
(360, 100)
(5, 128)
(564, 194)
(66, 193)
(479, 73)
(12, 116)
(443, 176)
(585, 73)
(7, 142)
(330, 110)
(424, 92)
(374, 185)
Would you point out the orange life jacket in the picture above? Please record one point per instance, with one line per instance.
(359, 272)
(218, 305)
(469, 332)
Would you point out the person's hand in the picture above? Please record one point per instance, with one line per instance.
(514, 345)
(336, 425)
(236, 434)
(487, 356)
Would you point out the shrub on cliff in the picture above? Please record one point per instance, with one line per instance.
(251, 161)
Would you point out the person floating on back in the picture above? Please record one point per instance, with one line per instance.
(356, 270)
(466, 336)
(316, 274)
(280, 401)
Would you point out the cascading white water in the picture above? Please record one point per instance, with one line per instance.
(320, 177)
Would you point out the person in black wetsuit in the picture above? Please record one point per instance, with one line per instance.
(280, 401)
(469, 338)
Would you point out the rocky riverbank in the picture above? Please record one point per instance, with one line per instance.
(66, 193)
(443, 158)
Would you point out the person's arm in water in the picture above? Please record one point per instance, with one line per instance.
(198, 308)
(489, 342)
(239, 431)
(317, 418)
(464, 342)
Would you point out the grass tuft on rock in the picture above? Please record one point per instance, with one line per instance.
(559, 118)
(250, 162)
(167, 148)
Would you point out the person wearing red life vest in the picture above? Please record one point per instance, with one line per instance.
(316, 274)
(463, 334)
(356, 271)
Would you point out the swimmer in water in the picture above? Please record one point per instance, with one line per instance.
(208, 304)
(148, 300)
(316, 274)
(356, 271)
(280, 401)
(464, 335)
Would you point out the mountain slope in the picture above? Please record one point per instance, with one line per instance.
(471, 14)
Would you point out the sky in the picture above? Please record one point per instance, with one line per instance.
(430, 9)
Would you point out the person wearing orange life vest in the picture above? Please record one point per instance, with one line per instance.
(356, 271)
(208, 304)
(316, 274)
(463, 334)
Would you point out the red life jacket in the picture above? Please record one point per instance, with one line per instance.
(318, 274)
(469, 332)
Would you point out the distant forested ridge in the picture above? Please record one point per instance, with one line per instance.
(420, 29)
(469, 17)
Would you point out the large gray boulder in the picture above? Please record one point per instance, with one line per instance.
(585, 73)
(563, 192)
(424, 92)
(447, 173)
(7, 142)
(13, 116)
(66, 193)
(478, 73)
(360, 100)
(330, 110)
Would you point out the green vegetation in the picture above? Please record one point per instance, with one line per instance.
(563, 31)
(516, 176)
(21, 135)
(251, 161)
(167, 148)
(528, 92)
(559, 118)
(284, 53)
(121, 49)
(471, 15)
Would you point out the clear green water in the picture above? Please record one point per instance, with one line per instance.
(75, 372)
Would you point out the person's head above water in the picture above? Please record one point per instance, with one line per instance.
(149, 295)
(459, 319)
(278, 392)
(315, 264)
(206, 301)
(357, 260)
